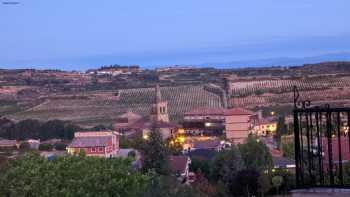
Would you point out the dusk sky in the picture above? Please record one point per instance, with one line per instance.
(80, 34)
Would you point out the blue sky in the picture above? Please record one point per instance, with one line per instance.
(80, 34)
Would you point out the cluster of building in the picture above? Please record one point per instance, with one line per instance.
(199, 132)
(115, 70)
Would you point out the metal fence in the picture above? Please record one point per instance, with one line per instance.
(322, 144)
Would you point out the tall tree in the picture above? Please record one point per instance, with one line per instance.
(155, 153)
(203, 186)
(255, 154)
(245, 183)
(52, 129)
(280, 130)
(226, 164)
(25, 129)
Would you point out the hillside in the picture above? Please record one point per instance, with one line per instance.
(102, 107)
(99, 96)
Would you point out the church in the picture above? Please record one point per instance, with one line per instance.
(131, 124)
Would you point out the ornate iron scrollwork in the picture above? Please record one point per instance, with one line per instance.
(300, 104)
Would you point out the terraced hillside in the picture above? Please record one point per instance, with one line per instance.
(280, 91)
(103, 107)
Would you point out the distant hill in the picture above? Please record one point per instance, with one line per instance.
(282, 61)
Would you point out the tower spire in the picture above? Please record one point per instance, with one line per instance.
(158, 94)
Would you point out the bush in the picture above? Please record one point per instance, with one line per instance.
(259, 92)
(111, 177)
(288, 150)
(45, 147)
(60, 146)
(24, 146)
(132, 154)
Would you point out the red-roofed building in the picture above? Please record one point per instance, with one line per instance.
(144, 126)
(205, 113)
(98, 143)
(204, 120)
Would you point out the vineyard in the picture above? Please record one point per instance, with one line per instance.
(103, 107)
(270, 92)
(247, 88)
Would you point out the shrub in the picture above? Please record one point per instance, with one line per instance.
(60, 146)
(259, 92)
(132, 154)
(45, 147)
(24, 146)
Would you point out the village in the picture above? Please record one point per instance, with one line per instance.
(204, 132)
(186, 128)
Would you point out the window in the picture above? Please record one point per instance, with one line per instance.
(100, 149)
(93, 149)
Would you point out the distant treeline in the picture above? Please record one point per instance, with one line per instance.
(34, 129)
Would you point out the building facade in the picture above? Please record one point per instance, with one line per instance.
(265, 127)
(238, 124)
(98, 143)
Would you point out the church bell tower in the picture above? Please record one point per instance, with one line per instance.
(160, 107)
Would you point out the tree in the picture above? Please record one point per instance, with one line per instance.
(124, 142)
(277, 181)
(52, 129)
(264, 184)
(155, 153)
(26, 129)
(60, 146)
(69, 130)
(33, 175)
(29, 129)
(255, 154)
(280, 130)
(288, 150)
(259, 92)
(245, 183)
(168, 186)
(202, 165)
(289, 181)
(203, 186)
(24, 146)
(225, 166)
(45, 147)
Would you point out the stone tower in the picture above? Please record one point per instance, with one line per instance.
(160, 107)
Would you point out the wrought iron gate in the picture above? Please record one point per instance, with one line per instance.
(322, 144)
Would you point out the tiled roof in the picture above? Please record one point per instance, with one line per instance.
(178, 163)
(130, 116)
(206, 144)
(238, 111)
(143, 124)
(206, 111)
(83, 142)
